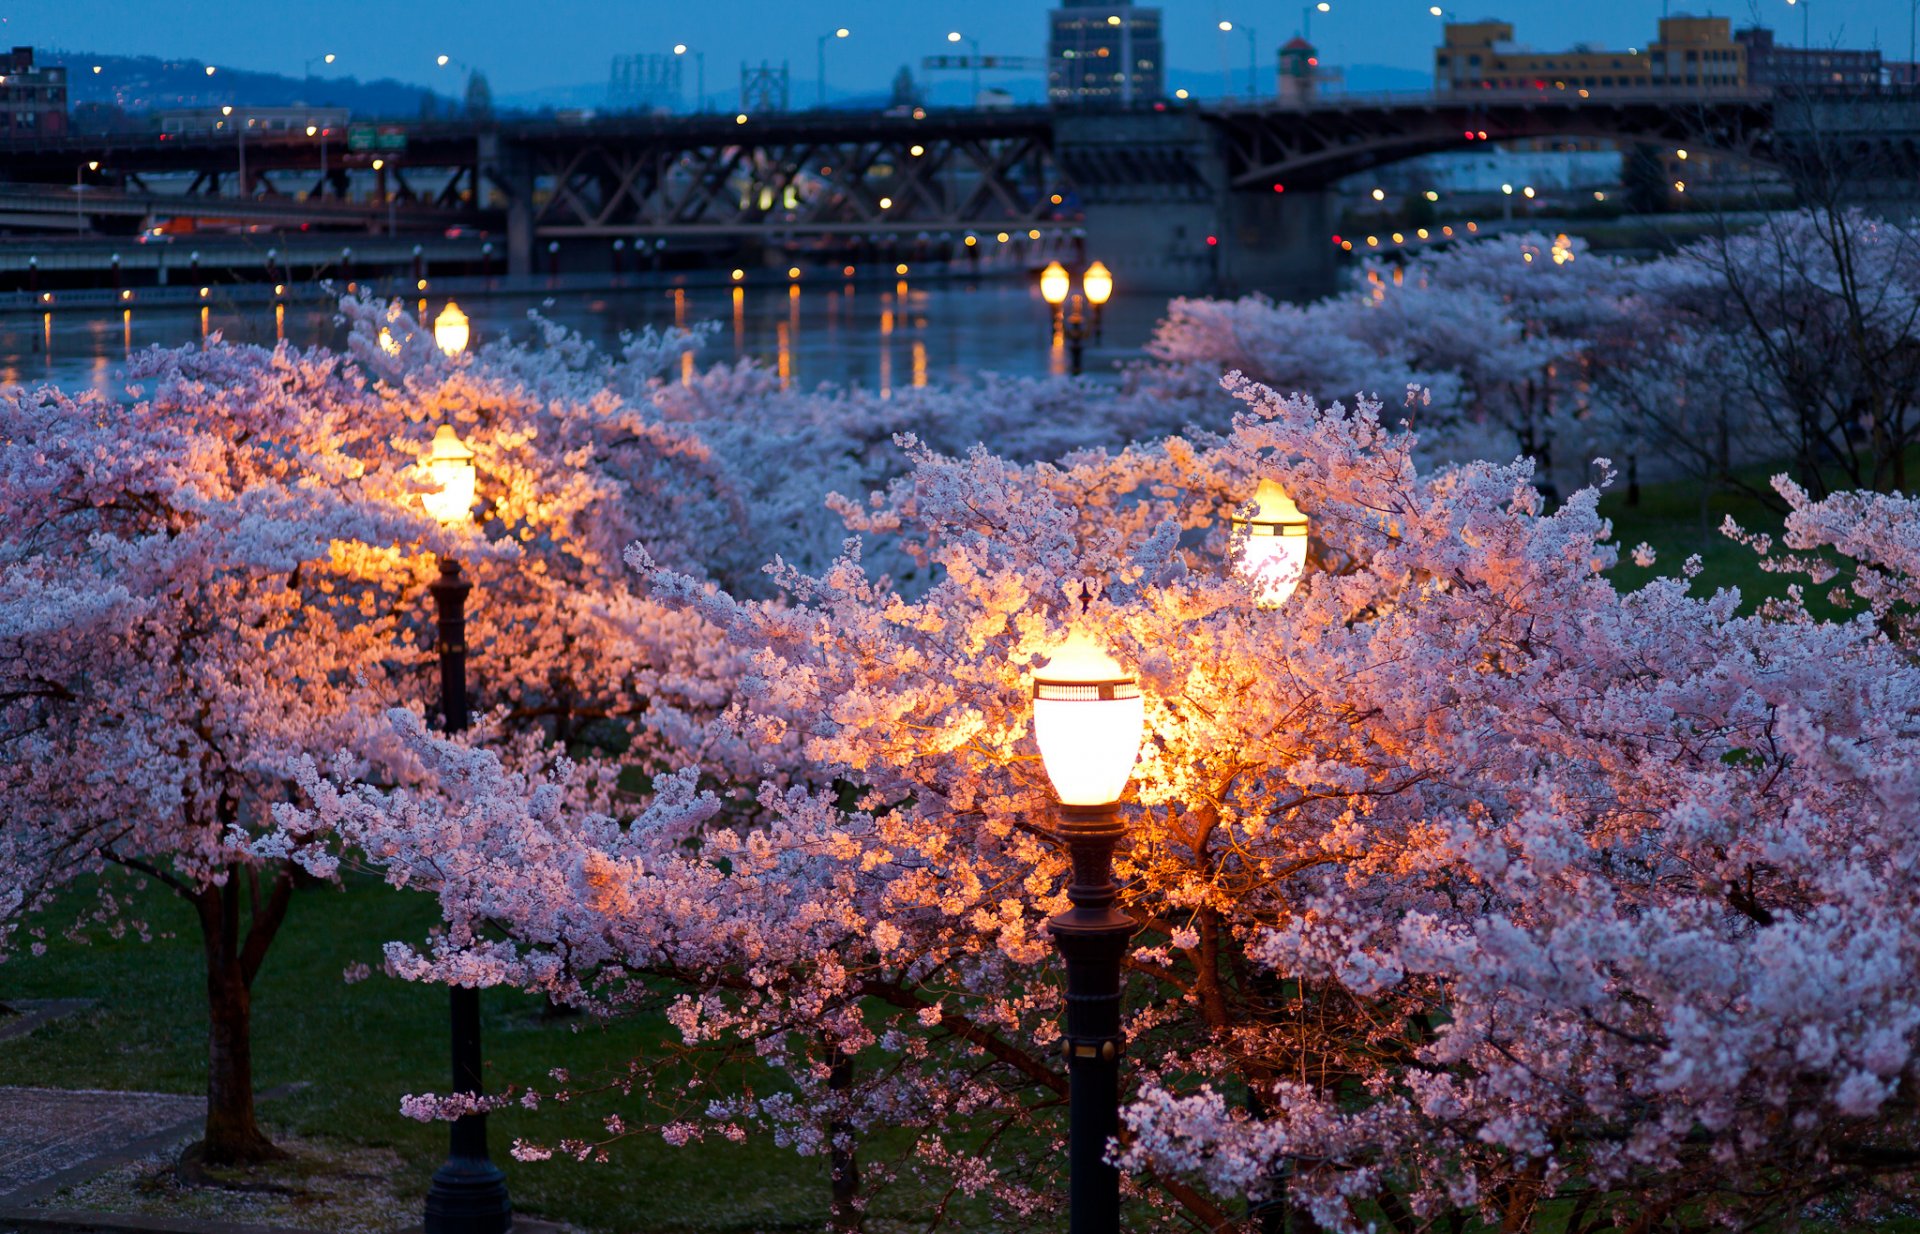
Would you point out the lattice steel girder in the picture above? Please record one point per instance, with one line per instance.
(1310, 147)
(979, 171)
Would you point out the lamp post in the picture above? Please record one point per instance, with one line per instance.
(954, 36)
(1274, 555)
(840, 33)
(469, 1193)
(1055, 283)
(700, 75)
(1806, 36)
(1076, 333)
(1253, 58)
(451, 330)
(1306, 17)
(1097, 282)
(1087, 719)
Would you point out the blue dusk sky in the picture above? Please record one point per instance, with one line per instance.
(530, 45)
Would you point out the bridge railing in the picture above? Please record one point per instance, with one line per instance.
(1596, 96)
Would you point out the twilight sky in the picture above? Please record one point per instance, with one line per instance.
(533, 44)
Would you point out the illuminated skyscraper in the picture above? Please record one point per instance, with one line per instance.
(1104, 55)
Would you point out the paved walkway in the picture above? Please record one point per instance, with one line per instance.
(45, 1132)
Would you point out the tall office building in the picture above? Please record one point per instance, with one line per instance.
(33, 98)
(1104, 55)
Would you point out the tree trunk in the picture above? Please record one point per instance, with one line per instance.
(232, 1134)
(846, 1213)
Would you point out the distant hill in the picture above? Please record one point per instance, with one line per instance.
(127, 86)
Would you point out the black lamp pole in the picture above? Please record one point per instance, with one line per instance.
(469, 1193)
(1092, 938)
(1076, 338)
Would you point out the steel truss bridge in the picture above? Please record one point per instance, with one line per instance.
(814, 177)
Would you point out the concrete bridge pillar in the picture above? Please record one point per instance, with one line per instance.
(1279, 243)
(1161, 210)
(506, 167)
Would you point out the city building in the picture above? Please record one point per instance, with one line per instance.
(1698, 52)
(33, 98)
(1807, 68)
(1104, 55)
(1481, 55)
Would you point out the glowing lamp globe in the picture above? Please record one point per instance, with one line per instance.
(1098, 280)
(1087, 718)
(450, 465)
(450, 329)
(1276, 545)
(1054, 284)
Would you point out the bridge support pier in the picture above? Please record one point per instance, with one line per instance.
(1162, 210)
(508, 170)
(1279, 243)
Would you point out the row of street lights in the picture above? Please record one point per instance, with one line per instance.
(1088, 720)
(1089, 717)
(1056, 285)
(468, 1194)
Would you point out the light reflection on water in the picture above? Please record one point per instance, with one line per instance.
(873, 335)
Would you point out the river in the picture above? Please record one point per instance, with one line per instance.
(878, 336)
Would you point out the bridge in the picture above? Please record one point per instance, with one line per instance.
(1233, 194)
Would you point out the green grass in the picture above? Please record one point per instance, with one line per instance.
(360, 1047)
(1668, 517)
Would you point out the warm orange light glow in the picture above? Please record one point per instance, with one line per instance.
(1274, 555)
(451, 329)
(1087, 719)
(1055, 283)
(1098, 282)
(449, 463)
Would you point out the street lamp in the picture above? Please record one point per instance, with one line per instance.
(1274, 555)
(840, 33)
(307, 67)
(1253, 57)
(700, 73)
(1806, 37)
(954, 36)
(1088, 718)
(1076, 333)
(451, 330)
(469, 1193)
(1097, 282)
(1055, 283)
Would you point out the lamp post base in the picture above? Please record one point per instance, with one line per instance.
(468, 1196)
(1092, 938)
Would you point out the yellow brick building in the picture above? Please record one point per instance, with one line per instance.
(1695, 52)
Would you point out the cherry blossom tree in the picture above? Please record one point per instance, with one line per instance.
(1500, 332)
(1816, 310)
(1470, 888)
(228, 571)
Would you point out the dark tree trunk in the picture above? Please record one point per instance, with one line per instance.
(233, 1134)
(846, 1214)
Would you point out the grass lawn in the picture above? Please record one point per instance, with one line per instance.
(1668, 519)
(361, 1047)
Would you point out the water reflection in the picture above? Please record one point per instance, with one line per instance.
(846, 334)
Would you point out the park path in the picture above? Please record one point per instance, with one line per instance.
(47, 1132)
